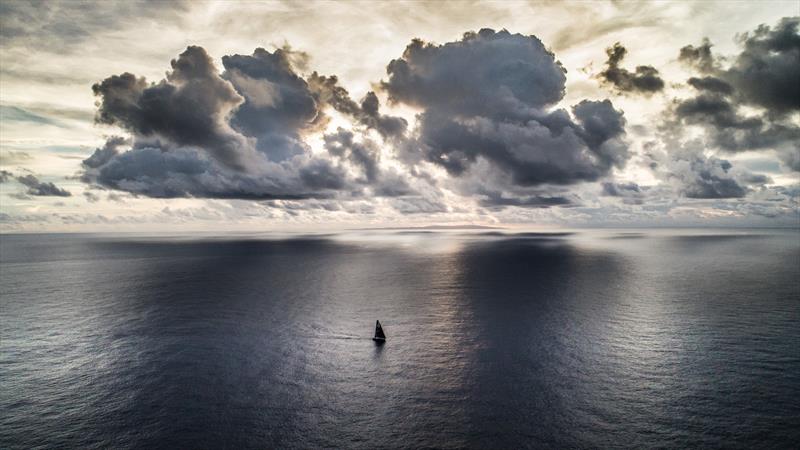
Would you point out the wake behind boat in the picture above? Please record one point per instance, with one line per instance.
(379, 337)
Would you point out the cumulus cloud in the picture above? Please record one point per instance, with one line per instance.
(490, 97)
(765, 73)
(489, 127)
(278, 104)
(242, 133)
(644, 80)
(104, 154)
(707, 178)
(749, 103)
(189, 108)
(694, 174)
(199, 133)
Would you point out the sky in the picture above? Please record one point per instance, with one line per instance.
(130, 116)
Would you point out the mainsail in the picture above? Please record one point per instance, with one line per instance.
(379, 336)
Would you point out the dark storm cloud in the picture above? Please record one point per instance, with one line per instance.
(715, 110)
(764, 76)
(489, 97)
(645, 79)
(732, 131)
(41, 188)
(189, 108)
(767, 71)
(367, 113)
(5, 176)
(239, 134)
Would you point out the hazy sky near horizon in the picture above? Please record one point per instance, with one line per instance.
(257, 115)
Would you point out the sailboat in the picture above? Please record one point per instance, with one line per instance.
(379, 338)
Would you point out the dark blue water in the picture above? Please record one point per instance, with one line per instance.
(593, 339)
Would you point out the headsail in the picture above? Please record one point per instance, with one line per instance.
(379, 336)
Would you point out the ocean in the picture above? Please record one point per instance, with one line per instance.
(496, 339)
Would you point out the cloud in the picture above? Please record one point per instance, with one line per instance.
(365, 155)
(699, 57)
(114, 197)
(5, 176)
(711, 84)
(278, 104)
(764, 74)
(695, 175)
(41, 188)
(497, 200)
(630, 193)
(189, 172)
(198, 133)
(91, 197)
(366, 113)
(748, 104)
(645, 80)
(12, 157)
(490, 130)
(490, 97)
(362, 154)
(103, 155)
(241, 133)
(60, 24)
(16, 114)
(189, 108)
(709, 178)
(488, 73)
